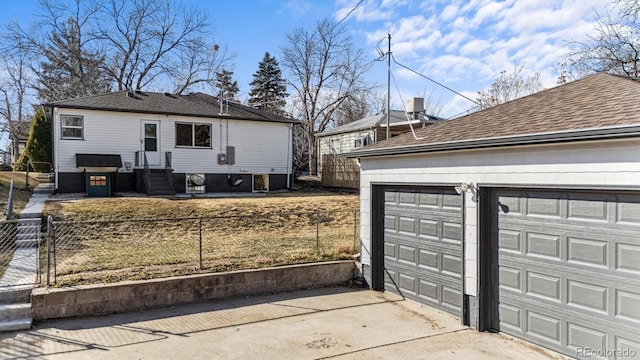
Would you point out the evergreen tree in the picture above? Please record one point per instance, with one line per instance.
(268, 88)
(38, 149)
(227, 87)
(69, 69)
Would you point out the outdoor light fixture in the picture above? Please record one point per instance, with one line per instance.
(468, 187)
(127, 165)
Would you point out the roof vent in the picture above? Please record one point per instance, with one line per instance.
(130, 94)
(168, 94)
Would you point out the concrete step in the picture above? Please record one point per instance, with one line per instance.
(31, 243)
(16, 324)
(44, 189)
(15, 294)
(10, 312)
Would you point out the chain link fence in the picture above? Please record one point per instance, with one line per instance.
(20, 242)
(88, 252)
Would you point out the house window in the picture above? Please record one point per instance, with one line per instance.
(72, 126)
(260, 182)
(97, 180)
(361, 141)
(193, 135)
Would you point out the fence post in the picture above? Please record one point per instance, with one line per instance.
(317, 232)
(200, 239)
(49, 240)
(355, 225)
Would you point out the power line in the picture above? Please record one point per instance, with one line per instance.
(435, 82)
(349, 13)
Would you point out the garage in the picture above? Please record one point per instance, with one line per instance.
(423, 246)
(568, 269)
(548, 213)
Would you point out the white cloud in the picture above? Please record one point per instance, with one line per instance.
(465, 44)
(474, 47)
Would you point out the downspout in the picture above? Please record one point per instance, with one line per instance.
(54, 145)
(289, 155)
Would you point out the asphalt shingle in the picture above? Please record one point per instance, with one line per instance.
(195, 104)
(595, 102)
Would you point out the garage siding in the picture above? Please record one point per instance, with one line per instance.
(423, 246)
(569, 269)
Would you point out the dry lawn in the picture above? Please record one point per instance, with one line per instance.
(108, 240)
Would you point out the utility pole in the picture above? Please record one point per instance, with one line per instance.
(388, 86)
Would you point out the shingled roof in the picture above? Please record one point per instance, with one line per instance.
(597, 106)
(196, 104)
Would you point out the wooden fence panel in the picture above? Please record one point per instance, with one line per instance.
(338, 171)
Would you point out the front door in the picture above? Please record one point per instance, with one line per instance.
(151, 142)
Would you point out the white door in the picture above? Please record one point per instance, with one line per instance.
(151, 142)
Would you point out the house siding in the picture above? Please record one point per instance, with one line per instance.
(607, 164)
(261, 147)
(346, 141)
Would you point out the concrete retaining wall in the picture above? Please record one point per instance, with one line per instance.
(50, 303)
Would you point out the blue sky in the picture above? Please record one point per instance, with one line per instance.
(462, 44)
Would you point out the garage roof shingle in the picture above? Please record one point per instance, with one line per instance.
(598, 101)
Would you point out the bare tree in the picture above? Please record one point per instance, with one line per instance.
(146, 38)
(15, 108)
(615, 47)
(509, 86)
(325, 69)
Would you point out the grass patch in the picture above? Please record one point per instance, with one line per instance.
(142, 238)
(21, 194)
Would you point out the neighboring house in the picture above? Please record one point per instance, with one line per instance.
(21, 139)
(371, 129)
(4, 157)
(544, 241)
(161, 143)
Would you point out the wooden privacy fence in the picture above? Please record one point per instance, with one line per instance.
(338, 171)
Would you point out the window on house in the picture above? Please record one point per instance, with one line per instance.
(72, 126)
(358, 143)
(97, 180)
(260, 182)
(193, 135)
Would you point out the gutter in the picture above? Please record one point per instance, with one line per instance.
(543, 138)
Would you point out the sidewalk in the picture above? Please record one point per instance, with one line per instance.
(23, 267)
(340, 323)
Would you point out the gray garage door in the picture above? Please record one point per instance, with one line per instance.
(569, 271)
(423, 246)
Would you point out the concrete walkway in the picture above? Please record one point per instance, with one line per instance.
(23, 268)
(332, 323)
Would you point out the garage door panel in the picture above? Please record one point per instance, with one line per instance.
(588, 252)
(626, 343)
(628, 258)
(580, 337)
(569, 268)
(628, 213)
(543, 286)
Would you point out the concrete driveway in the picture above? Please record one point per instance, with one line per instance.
(330, 323)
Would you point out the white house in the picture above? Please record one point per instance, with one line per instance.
(522, 218)
(371, 129)
(162, 143)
